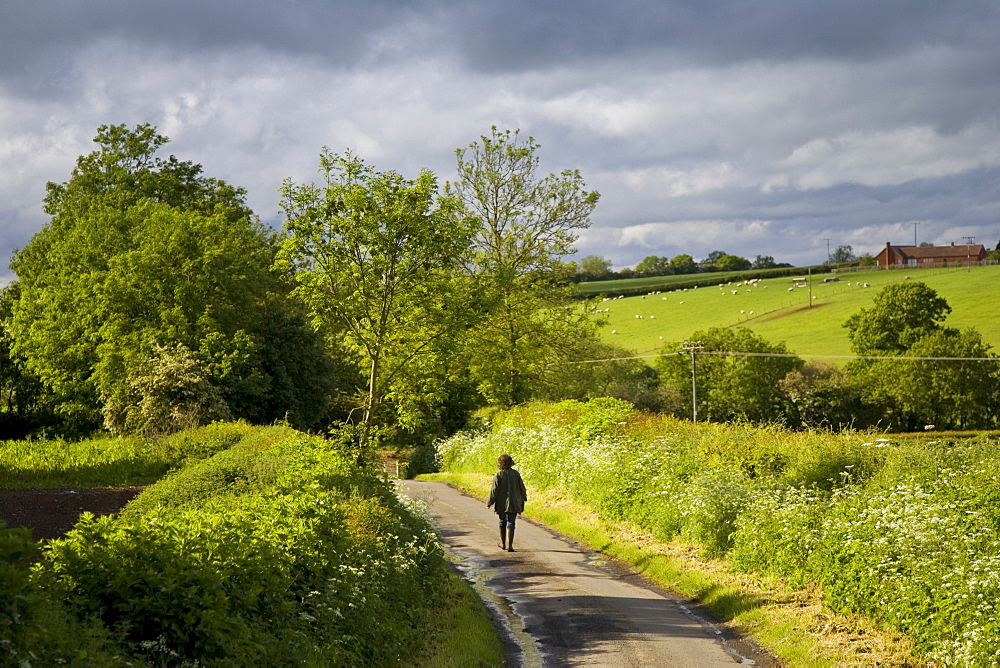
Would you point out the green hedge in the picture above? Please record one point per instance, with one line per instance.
(905, 531)
(278, 551)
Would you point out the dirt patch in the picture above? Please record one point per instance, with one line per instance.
(50, 513)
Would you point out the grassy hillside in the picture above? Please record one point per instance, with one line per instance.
(778, 311)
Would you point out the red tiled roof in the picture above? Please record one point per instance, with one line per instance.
(920, 252)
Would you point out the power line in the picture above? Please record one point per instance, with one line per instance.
(787, 355)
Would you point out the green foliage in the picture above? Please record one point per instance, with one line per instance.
(904, 532)
(823, 396)
(843, 254)
(144, 253)
(905, 320)
(652, 265)
(277, 551)
(731, 386)
(901, 314)
(683, 264)
(169, 392)
(372, 253)
(593, 268)
(524, 226)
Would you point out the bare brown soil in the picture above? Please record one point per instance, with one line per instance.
(50, 513)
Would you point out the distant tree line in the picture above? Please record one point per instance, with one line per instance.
(597, 268)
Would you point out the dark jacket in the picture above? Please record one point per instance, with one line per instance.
(508, 493)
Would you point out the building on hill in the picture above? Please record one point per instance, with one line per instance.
(920, 257)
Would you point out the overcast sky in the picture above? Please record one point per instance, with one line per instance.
(771, 128)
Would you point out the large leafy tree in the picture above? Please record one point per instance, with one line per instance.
(141, 254)
(737, 374)
(373, 253)
(525, 225)
(931, 383)
(593, 268)
(900, 315)
(653, 265)
(683, 264)
(958, 393)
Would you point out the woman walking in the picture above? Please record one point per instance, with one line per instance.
(507, 497)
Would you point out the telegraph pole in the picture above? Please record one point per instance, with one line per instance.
(968, 251)
(693, 347)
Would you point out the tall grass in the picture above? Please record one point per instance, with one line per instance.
(905, 531)
(108, 462)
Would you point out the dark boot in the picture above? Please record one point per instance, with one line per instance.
(503, 539)
(510, 539)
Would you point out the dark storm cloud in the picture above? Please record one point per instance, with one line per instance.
(755, 127)
(40, 38)
(525, 34)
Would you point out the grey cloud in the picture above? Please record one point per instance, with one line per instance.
(41, 38)
(523, 34)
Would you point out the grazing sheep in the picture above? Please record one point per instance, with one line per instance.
(751, 312)
(681, 302)
(742, 311)
(614, 331)
(791, 289)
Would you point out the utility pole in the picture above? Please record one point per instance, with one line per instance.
(809, 282)
(968, 251)
(693, 347)
(827, 250)
(915, 234)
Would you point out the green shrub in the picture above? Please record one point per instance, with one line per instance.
(277, 551)
(906, 531)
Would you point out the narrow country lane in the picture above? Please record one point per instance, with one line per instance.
(564, 606)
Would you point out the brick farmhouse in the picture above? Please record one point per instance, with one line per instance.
(919, 257)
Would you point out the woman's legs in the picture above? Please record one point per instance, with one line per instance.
(507, 531)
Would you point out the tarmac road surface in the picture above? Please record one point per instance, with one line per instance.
(562, 605)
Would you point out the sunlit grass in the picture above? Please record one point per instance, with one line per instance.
(780, 315)
(462, 633)
(110, 461)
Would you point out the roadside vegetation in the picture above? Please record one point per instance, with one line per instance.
(904, 531)
(278, 549)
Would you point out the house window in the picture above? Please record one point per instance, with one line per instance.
(911, 262)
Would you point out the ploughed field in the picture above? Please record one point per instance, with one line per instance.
(50, 513)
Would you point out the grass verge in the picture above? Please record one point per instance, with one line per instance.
(792, 624)
(463, 634)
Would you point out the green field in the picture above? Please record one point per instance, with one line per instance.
(779, 314)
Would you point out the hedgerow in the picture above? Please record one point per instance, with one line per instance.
(903, 531)
(277, 551)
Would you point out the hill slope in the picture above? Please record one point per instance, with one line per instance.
(779, 311)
